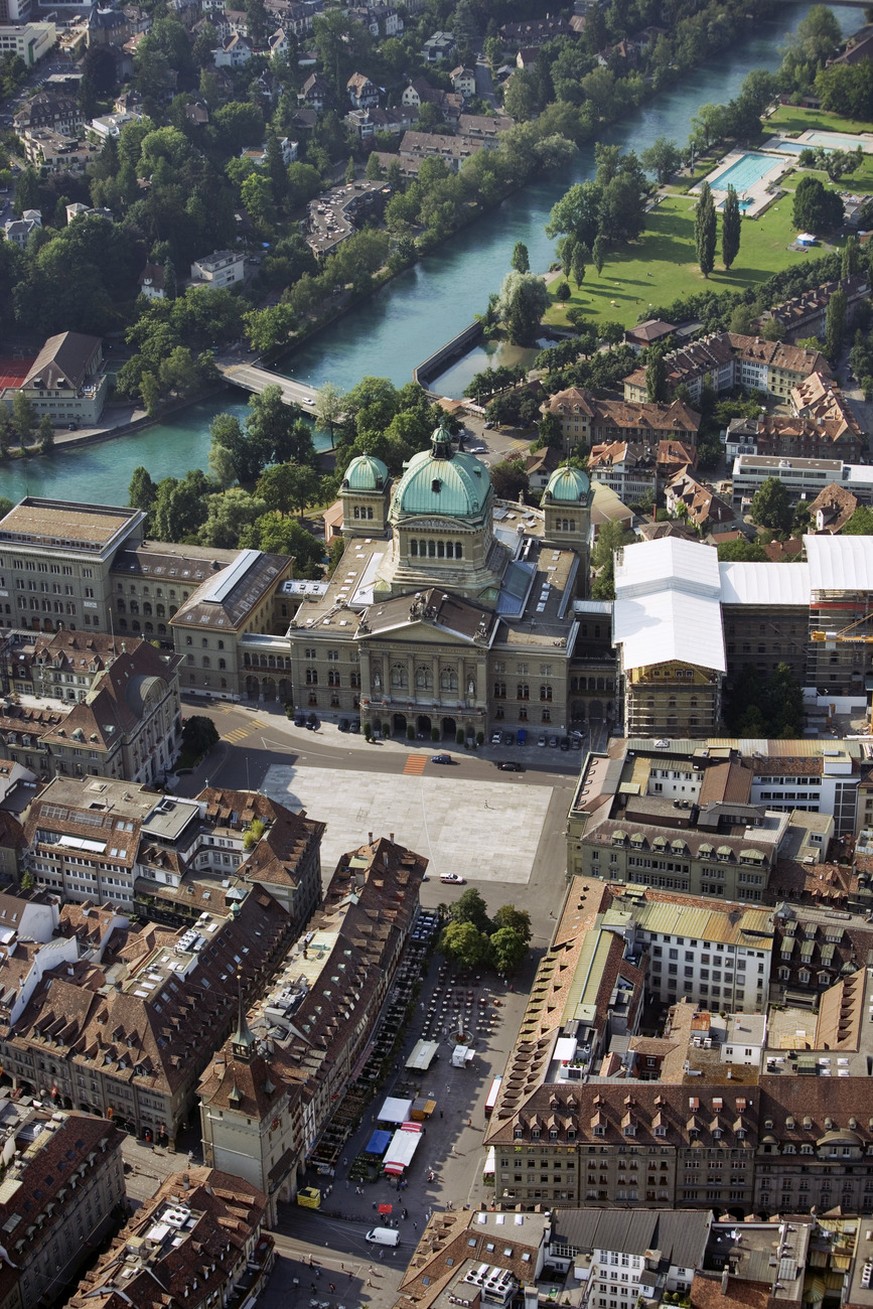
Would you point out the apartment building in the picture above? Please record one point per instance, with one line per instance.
(200, 1239)
(104, 709)
(113, 842)
(710, 818)
(269, 1092)
(724, 360)
(707, 1134)
(127, 1037)
(584, 418)
(804, 315)
(63, 1191)
(834, 436)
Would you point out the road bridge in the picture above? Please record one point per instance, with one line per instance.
(252, 377)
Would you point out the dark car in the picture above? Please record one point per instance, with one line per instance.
(343, 724)
(355, 726)
(299, 720)
(509, 738)
(312, 723)
(441, 759)
(565, 743)
(510, 766)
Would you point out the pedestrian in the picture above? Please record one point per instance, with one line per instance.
(312, 1284)
(415, 1227)
(405, 1214)
(374, 1204)
(331, 1286)
(441, 1113)
(369, 1281)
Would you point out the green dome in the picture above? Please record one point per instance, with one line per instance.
(365, 473)
(569, 485)
(442, 481)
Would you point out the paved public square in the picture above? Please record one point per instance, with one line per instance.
(479, 829)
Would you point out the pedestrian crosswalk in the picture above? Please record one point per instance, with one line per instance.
(414, 766)
(238, 734)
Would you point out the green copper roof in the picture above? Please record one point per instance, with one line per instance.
(366, 473)
(569, 485)
(439, 481)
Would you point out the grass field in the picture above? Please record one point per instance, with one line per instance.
(662, 265)
(792, 121)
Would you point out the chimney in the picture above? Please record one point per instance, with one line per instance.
(725, 1278)
(370, 838)
(390, 836)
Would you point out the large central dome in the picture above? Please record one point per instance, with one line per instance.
(442, 482)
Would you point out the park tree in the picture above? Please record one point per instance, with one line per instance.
(288, 487)
(520, 258)
(23, 417)
(705, 229)
(277, 533)
(523, 300)
(508, 950)
(180, 506)
(861, 522)
(598, 253)
(847, 89)
(470, 907)
(771, 506)
(228, 513)
(850, 260)
(509, 479)
(662, 158)
(741, 551)
(577, 213)
(465, 945)
(142, 491)
(199, 735)
(45, 435)
(578, 265)
(807, 50)
(816, 209)
(835, 324)
(731, 227)
(328, 407)
(610, 538)
(518, 919)
(656, 376)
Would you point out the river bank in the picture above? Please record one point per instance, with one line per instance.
(428, 304)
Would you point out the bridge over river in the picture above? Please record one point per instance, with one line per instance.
(252, 377)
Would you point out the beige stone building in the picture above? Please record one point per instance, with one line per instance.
(80, 566)
(450, 615)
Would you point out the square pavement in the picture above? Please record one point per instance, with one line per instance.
(461, 826)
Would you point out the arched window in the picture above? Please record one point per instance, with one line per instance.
(522, 691)
(459, 550)
(399, 679)
(448, 679)
(423, 678)
(312, 677)
(441, 549)
(545, 693)
(413, 548)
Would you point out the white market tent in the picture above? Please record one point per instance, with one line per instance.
(400, 1152)
(394, 1110)
(422, 1056)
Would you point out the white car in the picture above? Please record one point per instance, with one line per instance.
(454, 878)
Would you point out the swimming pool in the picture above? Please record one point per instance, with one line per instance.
(836, 140)
(745, 172)
(787, 147)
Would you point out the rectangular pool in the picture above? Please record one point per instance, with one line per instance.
(745, 172)
(836, 140)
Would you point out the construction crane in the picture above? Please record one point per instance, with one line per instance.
(845, 634)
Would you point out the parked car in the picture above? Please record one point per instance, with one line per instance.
(509, 738)
(343, 724)
(454, 878)
(495, 738)
(510, 766)
(541, 740)
(565, 743)
(441, 759)
(355, 726)
(553, 742)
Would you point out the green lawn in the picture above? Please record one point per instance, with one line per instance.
(790, 120)
(662, 265)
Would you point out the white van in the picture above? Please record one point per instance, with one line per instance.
(384, 1236)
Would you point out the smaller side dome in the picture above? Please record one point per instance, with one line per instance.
(568, 485)
(365, 473)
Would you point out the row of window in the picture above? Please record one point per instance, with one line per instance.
(436, 549)
(522, 691)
